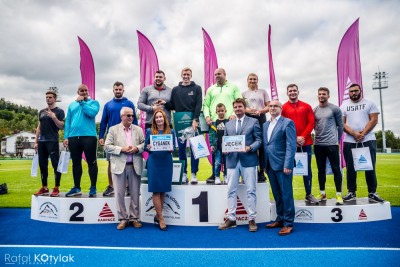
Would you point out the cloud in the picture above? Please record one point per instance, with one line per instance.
(40, 46)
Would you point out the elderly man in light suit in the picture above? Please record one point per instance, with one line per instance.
(279, 140)
(125, 143)
(242, 164)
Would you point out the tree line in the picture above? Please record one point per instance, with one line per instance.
(16, 118)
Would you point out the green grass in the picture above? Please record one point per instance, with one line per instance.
(16, 173)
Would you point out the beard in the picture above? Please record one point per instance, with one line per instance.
(355, 97)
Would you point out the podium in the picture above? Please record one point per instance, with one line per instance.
(202, 205)
(189, 205)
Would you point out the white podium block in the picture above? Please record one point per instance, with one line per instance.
(204, 205)
(357, 211)
(195, 205)
(82, 210)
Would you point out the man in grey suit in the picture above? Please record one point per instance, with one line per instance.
(242, 164)
(279, 140)
(125, 143)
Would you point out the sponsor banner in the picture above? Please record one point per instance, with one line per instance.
(161, 142)
(234, 143)
(182, 121)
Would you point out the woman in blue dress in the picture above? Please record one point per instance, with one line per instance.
(159, 166)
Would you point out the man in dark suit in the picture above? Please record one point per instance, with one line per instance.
(242, 164)
(279, 140)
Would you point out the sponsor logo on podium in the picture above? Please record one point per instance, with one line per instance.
(106, 214)
(241, 212)
(304, 215)
(172, 208)
(48, 210)
(362, 215)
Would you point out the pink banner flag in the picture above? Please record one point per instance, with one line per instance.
(272, 81)
(210, 61)
(348, 62)
(210, 65)
(87, 68)
(148, 67)
(348, 67)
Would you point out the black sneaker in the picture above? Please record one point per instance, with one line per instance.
(374, 197)
(211, 179)
(127, 192)
(109, 191)
(261, 177)
(350, 196)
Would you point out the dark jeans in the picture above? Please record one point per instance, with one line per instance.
(370, 176)
(307, 179)
(332, 153)
(88, 145)
(194, 163)
(46, 149)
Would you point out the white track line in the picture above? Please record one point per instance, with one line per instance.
(200, 249)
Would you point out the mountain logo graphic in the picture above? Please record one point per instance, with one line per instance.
(106, 214)
(304, 215)
(48, 210)
(299, 165)
(362, 215)
(186, 117)
(200, 147)
(241, 212)
(362, 159)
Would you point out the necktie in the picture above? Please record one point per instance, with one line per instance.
(239, 127)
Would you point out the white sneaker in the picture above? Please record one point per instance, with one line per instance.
(217, 180)
(193, 179)
(225, 179)
(184, 178)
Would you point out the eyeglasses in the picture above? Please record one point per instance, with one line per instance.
(129, 115)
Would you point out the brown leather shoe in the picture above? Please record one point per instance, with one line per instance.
(252, 226)
(122, 225)
(286, 230)
(274, 225)
(227, 224)
(137, 224)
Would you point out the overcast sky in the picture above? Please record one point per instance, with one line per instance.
(39, 45)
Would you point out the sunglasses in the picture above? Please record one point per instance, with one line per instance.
(129, 115)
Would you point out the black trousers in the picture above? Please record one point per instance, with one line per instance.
(46, 149)
(88, 145)
(370, 176)
(332, 153)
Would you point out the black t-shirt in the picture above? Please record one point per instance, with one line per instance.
(48, 128)
(220, 125)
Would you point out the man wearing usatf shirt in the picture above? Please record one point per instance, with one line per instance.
(359, 117)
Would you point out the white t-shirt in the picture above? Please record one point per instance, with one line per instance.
(357, 116)
(256, 98)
